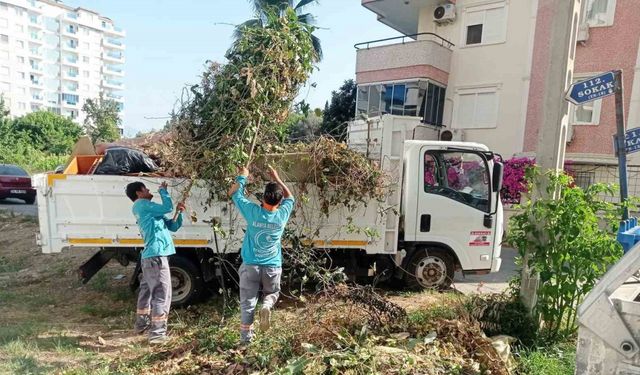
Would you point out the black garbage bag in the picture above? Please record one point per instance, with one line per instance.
(122, 160)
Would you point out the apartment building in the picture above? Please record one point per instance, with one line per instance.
(475, 68)
(55, 57)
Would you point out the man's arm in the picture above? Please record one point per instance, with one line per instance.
(159, 210)
(174, 225)
(237, 193)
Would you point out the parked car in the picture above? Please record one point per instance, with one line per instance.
(15, 182)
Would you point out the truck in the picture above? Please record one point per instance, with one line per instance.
(442, 213)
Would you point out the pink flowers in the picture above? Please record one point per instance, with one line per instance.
(514, 182)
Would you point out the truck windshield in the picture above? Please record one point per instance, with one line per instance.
(460, 176)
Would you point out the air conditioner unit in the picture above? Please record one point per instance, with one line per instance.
(452, 135)
(583, 32)
(444, 13)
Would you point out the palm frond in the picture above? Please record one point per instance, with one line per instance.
(317, 46)
(307, 18)
(239, 30)
(304, 3)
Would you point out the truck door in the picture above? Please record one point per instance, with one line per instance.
(454, 199)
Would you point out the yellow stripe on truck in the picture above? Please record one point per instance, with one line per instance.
(52, 177)
(79, 241)
(131, 241)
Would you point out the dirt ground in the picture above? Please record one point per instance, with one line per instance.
(51, 323)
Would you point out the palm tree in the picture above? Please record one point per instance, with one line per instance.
(261, 7)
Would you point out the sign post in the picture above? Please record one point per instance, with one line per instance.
(597, 87)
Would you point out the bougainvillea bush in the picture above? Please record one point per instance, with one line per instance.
(514, 183)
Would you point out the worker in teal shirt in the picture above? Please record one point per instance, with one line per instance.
(154, 298)
(261, 249)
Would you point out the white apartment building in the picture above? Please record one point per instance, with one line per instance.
(55, 57)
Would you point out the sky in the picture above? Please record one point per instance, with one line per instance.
(169, 41)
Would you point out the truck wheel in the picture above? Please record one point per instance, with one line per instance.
(186, 281)
(430, 269)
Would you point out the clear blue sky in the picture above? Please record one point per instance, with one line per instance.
(169, 41)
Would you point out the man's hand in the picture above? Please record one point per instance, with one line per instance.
(273, 174)
(180, 207)
(243, 171)
(164, 185)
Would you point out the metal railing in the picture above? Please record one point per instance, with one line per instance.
(443, 42)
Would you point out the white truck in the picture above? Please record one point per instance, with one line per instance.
(446, 215)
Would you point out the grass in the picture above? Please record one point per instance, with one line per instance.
(7, 266)
(559, 359)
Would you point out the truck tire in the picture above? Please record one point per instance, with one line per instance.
(430, 269)
(186, 281)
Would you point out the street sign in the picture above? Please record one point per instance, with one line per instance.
(632, 140)
(592, 89)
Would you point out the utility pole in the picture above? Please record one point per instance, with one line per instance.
(556, 34)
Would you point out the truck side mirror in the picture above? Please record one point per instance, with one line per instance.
(498, 171)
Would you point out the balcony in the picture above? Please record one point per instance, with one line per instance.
(36, 67)
(36, 83)
(70, 60)
(403, 16)
(115, 30)
(70, 30)
(69, 45)
(427, 57)
(71, 75)
(113, 56)
(113, 43)
(113, 84)
(113, 70)
(35, 53)
(115, 97)
(37, 98)
(34, 37)
(71, 16)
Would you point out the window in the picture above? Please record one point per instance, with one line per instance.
(4, 38)
(22, 106)
(586, 114)
(476, 108)
(19, 28)
(86, 46)
(20, 44)
(461, 176)
(22, 90)
(600, 12)
(4, 70)
(22, 75)
(4, 55)
(4, 22)
(433, 105)
(21, 59)
(85, 73)
(414, 98)
(85, 87)
(363, 100)
(5, 87)
(485, 24)
(85, 59)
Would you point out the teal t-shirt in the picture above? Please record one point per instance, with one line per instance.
(262, 241)
(154, 227)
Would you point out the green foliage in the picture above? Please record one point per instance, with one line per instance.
(38, 141)
(244, 102)
(102, 119)
(265, 9)
(340, 111)
(48, 132)
(566, 245)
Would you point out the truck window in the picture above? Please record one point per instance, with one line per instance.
(461, 176)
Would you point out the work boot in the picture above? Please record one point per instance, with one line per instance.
(159, 340)
(142, 324)
(265, 318)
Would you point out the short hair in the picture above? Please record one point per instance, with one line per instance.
(272, 194)
(133, 188)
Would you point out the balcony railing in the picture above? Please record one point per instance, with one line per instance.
(118, 29)
(72, 15)
(114, 69)
(115, 55)
(71, 30)
(115, 42)
(72, 73)
(71, 60)
(114, 96)
(443, 42)
(113, 82)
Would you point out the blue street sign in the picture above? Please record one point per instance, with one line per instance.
(632, 140)
(591, 89)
